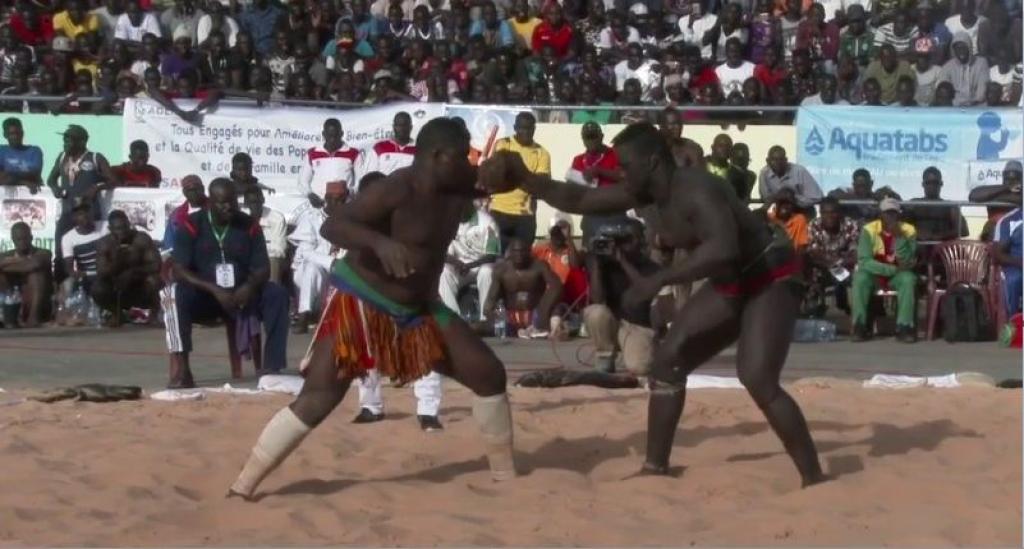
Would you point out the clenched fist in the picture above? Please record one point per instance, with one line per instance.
(502, 172)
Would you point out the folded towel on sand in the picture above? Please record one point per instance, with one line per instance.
(888, 381)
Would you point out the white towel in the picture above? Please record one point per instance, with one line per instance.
(887, 381)
(699, 381)
(176, 395)
(281, 384)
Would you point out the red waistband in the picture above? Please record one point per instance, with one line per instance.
(755, 283)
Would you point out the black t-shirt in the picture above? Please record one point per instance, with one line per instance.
(245, 248)
(615, 283)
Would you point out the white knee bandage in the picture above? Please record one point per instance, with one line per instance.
(494, 416)
(280, 437)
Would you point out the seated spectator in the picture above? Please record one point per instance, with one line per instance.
(496, 32)
(926, 74)
(215, 21)
(108, 13)
(195, 200)
(274, 229)
(180, 59)
(931, 36)
(528, 288)
(30, 27)
(818, 36)
(735, 70)
(730, 27)
(614, 327)
(863, 188)
(561, 255)
(636, 67)
(127, 270)
(553, 31)
(886, 257)
(222, 271)
(134, 23)
(966, 72)
(944, 94)
(804, 78)
(857, 41)
(1005, 74)
(780, 173)
(832, 252)
(471, 257)
(75, 20)
(241, 175)
(1007, 252)
(848, 81)
(20, 164)
(828, 89)
(26, 268)
(184, 16)
(772, 71)
(968, 22)
(784, 212)
(899, 34)
(1009, 192)
(697, 29)
(906, 92)
(886, 71)
(314, 254)
(935, 223)
(137, 171)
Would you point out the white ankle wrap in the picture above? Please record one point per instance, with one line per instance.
(494, 416)
(280, 437)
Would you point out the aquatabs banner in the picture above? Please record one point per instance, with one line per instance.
(276, 138)
(895, 144)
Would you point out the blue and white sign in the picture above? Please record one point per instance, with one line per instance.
(895, 144)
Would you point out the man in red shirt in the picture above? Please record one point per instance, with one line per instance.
(31, 27)
(598, 166)
(137, 172)
(553, 32)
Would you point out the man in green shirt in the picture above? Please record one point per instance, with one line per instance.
(887, 70)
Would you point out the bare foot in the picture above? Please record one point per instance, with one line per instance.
(233, 494)
(815, 479)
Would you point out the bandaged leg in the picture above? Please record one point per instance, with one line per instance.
(494, 416)
(370, 396)
(280, 437)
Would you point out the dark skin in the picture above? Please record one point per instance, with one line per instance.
(241, 174)
(686, 151)
(396, 233)
(28, 267)
(831, 221)
(84, 224)
(75, 147)
(332, 135)
(688, 209)
(127, 261)
(594, 143)
(15, 135)
(525, 284)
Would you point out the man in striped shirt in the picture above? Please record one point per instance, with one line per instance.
(335, 161)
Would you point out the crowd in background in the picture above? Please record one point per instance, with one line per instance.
(574, 52)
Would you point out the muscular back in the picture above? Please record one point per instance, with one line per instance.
(424, 221)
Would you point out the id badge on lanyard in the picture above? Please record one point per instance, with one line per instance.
(224, 272)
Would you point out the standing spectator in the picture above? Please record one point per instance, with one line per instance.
(553, 32)
(730, 27)
(926, 74)
(597, 166)
(260, 20)
(857, 41)
(137, 171)
(832, 251)
(75, 20)
(108, 13)
(739, 159)
(784, 212)
(514, 211)
(127, 269)
(887, 70)
(314, 254)
(886, 254)
(966, 72)
(274, 229)
(975, 27)
(780, 173)
(698, 29)
(390, 155)
(242, 176)
(221, 267)
(1008, 254)
(718, 163)
(471, 257)
(181, 59)
(77, 176)
(216, 21)
(20, 164)
(334, 161)
(27, 267)
(134, 23)
(31, 28)
(736, 70)
(617, 36)
(899, 34)
(523, 24)
(819, 37)
(184, 15)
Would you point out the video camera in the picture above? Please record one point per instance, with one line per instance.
(609, 236)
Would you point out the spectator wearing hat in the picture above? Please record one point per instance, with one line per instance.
(596, 166)
(75, 20)
(20, 164)
(886, 257)
(857, 41)
(967, 72)
(137, 171)
(134, 23)
(78, 175)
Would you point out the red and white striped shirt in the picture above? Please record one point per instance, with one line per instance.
(387, 156)
(322, 167)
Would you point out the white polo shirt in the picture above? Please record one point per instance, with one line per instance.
(322, 167)
(387, 156)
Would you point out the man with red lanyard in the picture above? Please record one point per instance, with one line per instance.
(598, 166)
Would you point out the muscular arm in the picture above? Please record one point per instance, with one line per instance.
(552, 294)
(578, 199)
(106, 258)
(38, 261)
(150, 254)
(496, 290)
(995, 193)
(353, 226)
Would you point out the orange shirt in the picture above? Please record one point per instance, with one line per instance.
(558, 261)
(796, 227)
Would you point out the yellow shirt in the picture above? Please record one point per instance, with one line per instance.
(92, 67)
(524, 31)
(537, 160)
(62, 24)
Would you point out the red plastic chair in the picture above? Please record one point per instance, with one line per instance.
(966, 262)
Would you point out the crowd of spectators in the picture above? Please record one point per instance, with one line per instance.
(576, 52)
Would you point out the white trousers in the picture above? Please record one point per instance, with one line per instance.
(427, 390)
(451, 282)
(309, 279)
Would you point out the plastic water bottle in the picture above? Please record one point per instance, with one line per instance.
(95, 315)
(825, 331)
(500, 321)
(814, 331)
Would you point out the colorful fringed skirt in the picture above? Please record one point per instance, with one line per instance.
(370, 331)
